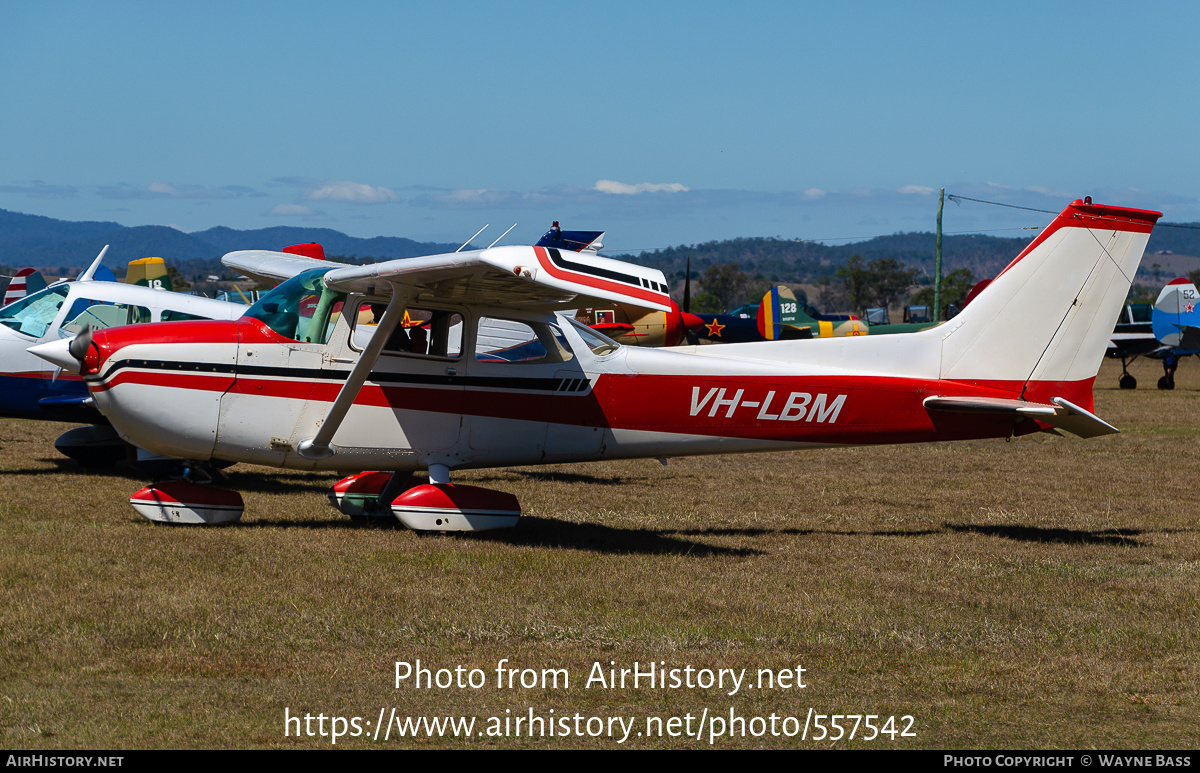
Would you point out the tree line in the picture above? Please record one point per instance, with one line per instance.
(857, 285)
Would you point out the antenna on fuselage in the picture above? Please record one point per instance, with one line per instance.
(91, 270)
(468, 241)
(493, 244)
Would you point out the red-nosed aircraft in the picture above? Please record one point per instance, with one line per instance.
(31, 388)
(320, 375)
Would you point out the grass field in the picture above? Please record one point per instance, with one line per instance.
(1039, 593)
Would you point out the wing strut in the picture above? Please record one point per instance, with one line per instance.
(320, 446)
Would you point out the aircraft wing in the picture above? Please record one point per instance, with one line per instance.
(269, 267)
(501, 276)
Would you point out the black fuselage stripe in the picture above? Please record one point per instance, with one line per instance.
(582, 268)
(316, 374)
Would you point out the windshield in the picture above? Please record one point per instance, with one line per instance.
(33, 314)
(301, 308)
(599, 344)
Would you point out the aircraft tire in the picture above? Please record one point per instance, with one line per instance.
(1166, 382)
(1128, 382)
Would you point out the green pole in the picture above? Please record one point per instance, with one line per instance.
(937, 279)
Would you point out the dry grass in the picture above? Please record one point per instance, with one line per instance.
(1040, 593)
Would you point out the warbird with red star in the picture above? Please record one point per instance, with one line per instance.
(319, 375)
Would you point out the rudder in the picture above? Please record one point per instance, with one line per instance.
(1047, 317)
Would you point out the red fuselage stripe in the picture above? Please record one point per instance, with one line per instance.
(870, 409)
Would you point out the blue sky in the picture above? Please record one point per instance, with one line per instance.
(661, 122)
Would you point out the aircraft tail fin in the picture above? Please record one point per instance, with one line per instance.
(781, 316)
(148, 272)
(25, 282)
(1042, 326)
(576, 241)
(309, 250)
(1175, 310)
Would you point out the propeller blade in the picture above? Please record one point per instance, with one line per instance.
(81, 343)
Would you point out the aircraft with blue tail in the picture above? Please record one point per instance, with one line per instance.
(779, 316)
(1175, 319)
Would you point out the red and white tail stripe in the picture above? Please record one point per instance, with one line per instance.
(18, 287)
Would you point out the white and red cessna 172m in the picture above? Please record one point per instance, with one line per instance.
(472, 360)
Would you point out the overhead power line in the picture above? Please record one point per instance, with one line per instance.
(956, 199)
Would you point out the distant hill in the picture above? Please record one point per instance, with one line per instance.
(334, 242)
(780, 260)
(1179, 238)
(32, 240)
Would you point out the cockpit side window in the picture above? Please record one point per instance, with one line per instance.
(171, 315)
(94, 314)
(302, 308)
(423, 332)
(33, 314)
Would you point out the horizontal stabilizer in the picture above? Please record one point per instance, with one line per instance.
(1189, 337)
(1062, 414)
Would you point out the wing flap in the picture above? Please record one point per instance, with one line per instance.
(1061, 414)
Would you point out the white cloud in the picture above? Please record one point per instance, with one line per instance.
(923, 190)
(160, 190)
(345, 190)
(296, 210)
(469, 195)
(489, 198)
(1043, 190)
(612, 186)
(812, 194)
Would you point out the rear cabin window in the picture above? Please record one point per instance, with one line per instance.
(519, 342)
